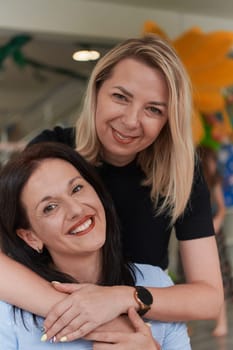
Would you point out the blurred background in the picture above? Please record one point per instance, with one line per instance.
(42, 85)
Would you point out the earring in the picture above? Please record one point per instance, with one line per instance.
(39, 250)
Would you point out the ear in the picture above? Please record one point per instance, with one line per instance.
(29, 237)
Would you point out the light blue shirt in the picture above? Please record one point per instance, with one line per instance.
(15, 336)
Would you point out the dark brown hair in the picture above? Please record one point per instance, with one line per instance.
(13, 178)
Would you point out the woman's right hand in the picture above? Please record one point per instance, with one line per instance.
(87, 307)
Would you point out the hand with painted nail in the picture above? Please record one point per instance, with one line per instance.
(124, 339)
(85, 308)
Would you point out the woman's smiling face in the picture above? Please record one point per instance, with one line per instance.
(64, 211)
(132, 109)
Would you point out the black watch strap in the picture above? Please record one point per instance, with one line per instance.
(144, 299)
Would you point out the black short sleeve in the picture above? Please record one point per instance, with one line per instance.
(197, 220)
(58, 134)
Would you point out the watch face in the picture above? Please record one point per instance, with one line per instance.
(144, 295)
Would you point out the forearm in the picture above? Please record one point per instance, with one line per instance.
(25, 289)
(181, 302)
(201, 297)
(185, 302)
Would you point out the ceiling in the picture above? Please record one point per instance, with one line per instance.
(223, 8)
(43, 86)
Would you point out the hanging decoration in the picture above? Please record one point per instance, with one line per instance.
(13, 49)
(209, 63)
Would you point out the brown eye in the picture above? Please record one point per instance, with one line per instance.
(49, 208)
(77, 188)
(155, 110)
(119, 97)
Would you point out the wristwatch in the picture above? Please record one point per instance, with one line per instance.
(144, 299)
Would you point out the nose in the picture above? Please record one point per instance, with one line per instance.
(74, 209)
(130, 118)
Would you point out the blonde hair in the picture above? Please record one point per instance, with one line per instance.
(169, 162)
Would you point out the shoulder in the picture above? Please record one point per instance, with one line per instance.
(8, 339)
(151, 276)
(58, 134)
(6, 311)
(13, 317)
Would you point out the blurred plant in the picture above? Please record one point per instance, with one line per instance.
(13, 49)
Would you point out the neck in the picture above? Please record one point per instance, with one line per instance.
(118, 161)
(85, 268)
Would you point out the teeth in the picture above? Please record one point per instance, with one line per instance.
(121, 136)
(82, 227)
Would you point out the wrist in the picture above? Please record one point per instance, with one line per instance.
(138, 297)
(126, 295)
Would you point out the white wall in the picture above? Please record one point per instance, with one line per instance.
(97, 19)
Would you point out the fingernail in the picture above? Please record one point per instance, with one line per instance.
(63, 339)
(53, 340)
(44, 337)
(55, 282)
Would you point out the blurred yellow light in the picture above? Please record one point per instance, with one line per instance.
(94, 55)
(86, 55)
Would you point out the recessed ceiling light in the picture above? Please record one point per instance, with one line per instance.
(86, 55)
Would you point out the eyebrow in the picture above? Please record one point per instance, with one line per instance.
(70, 182)
(126, 92)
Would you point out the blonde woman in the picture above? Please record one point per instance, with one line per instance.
(135, 128)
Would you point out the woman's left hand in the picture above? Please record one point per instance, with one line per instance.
(85, 308)
(138, 338)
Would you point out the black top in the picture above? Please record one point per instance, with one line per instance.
(145, 236)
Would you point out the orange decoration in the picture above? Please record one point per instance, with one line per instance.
(206, 58)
